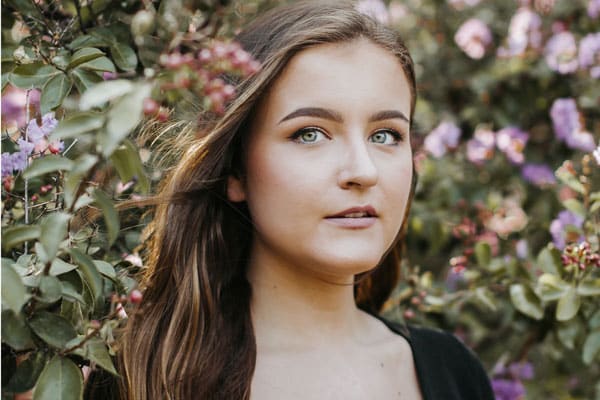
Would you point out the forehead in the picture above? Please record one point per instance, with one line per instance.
(350, 77)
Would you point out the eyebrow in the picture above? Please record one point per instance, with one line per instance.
(332, 115)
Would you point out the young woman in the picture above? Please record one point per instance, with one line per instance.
(278, 237)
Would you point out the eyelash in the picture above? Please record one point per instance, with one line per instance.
(398, 137)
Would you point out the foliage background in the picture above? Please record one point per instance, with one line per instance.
(503, 237)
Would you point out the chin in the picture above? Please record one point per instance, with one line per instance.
(349, 263)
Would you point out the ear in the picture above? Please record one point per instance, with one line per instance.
(235, 190)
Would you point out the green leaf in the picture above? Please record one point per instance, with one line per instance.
(18, 234)
(60, 267)
(111, 217)
(575, 206)
(85, 79)
(47, 164)
(52, 328)
(483, 296)
(61, 379)
(106, 269)
(526, 301)
(483, 254)
(550, 287)
(77, 124)
(54, 231)
(127, 162)
(54, 92)
(50, 289)
(548, 260)
(124, 56)
(34, 75)
(123, 117)
(90, 272)
(70, 292)
(100, 64)
(569, 332)
(568, 179)
(15, 332)
(74, 178)
(103, 92)
(27, 373)
(591, 347)
(568, 305)
(91, 40)
(95, 350)
(589, 288)
(83, 55)
(13, 290)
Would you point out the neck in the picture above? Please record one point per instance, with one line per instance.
(293, 307)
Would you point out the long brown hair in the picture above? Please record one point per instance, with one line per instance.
(192, 336)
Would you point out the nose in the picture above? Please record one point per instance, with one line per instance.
(358, 168)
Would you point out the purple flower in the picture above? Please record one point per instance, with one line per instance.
(375, 9)
(522, 249)
(566, 220)
(538, 174)
(561, 53)
(37, 132)
(14, 103)
(473, 37)
(522, 370)
(7, 164)
(589, 54)
(19, 161)
(581, 140)
(25, 146)
(481, 147)
(568, 127)
(508, 389)
(445, 136)
(511, 141)
(524, 31)
(593, 8)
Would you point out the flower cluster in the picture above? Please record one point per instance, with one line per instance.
(473, 37)
(34, 143)
(524, 32)
(580, 256)
(507, 381)
(568, 126)
(444, 137)
(510, 140)
(566, 228)
(204, 74)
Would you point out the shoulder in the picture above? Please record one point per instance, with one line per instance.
(447, 367)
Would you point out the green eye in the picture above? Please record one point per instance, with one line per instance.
(388, 137)
(308, 135)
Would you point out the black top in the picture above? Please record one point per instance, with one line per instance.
(446, 368)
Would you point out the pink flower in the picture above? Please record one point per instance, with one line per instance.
(508, 218)
(14, 102)
(473, 37)
(593, 9)
(445, 136)
(561, 53)
(481, 147)
(511, 141)
(524, 32)
(589, 54)
(568, 126)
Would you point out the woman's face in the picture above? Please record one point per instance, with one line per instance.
(329, 162)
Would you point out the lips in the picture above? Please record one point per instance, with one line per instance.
(354, 218)
(356, 212)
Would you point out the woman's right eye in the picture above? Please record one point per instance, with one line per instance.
(308, 135)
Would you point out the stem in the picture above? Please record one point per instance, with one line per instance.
(79, 17)
(26, 205)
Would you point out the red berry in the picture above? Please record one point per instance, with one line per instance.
(409, 314)
(34, 198)
(150, 106)
(205, 56)
(135, 296)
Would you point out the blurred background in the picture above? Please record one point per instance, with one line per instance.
(502, 245)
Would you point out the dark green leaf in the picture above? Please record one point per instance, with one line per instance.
(111, 217)
(90, 273)
(13, 290)
(61, 379)
(95, 350)
(54, 231)
(59, 267)
(52, 328)
(85, 79)
(128, 164)
(27, 373)
(106, 269)
(124, 56)
(123, 117)
(526, 301)
(47, 164)
(77, 124)
(568, 305)
(54, 92)
(591, 347)
(100, 64)
(70, 291)
(83, 55)
(15, 332)
(50, 289)
(34, 75)
(103, 92)
(91, 40)
(74, 178)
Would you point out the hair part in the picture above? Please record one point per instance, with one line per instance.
(192, 336)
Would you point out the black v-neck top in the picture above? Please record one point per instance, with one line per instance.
(446, 368)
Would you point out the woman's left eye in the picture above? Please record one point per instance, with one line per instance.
(386, 136)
